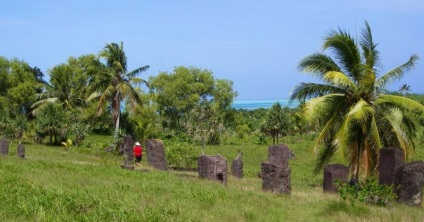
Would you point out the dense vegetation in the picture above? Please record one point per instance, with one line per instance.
(91, 101)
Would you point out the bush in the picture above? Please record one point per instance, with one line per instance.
(367, 192)
(181, 154)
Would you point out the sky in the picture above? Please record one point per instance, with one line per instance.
(255, 44)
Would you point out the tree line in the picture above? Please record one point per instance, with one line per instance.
(97, 94)
(350, 110)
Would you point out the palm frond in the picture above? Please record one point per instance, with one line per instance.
(43, 101)
(317, 107)
(318, 64)
(340, 80)
(311, 90)
(395, 117)
(369, 48)
(396, 73)
(346, 52)
(361, 112)
(400, 102)
(93, 95)
(325, 134)
(324, 157)
(138, 81)
(106, 95)
(137, 71)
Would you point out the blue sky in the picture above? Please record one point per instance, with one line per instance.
(256, 44)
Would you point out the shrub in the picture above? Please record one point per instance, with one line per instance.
(181, 154)
(368, 192)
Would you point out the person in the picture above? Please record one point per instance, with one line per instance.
(138, 153)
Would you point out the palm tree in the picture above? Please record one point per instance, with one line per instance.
(62, 89)
(405, 88)
(357, 118)
(116, 84)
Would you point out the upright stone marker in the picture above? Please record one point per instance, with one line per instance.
(408, 183)
(127, 148)
(331, 174)
(279, 154)
(4, 146)
(275, 178)
(213, 168)
(156, 154)
(389, 160)
(20, 151)
(276, 171)
(237, 166)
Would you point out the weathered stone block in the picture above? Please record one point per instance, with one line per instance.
(156, 154)
(275, 178)
(4, 146)
(20, 151)
(389, 160)
(213, 168)
(237, 166)
(279, 154)
(127, 149)
(332, 173)
(408, 183)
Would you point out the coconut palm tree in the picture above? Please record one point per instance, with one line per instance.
(357, 118)
(405, 88)
(116, 84)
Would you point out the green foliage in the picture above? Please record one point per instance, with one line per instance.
(277, 123)
(145, 119)
(52, 121)
(369, 191)
(354, 115)
(78, 126)
(17, 86)
(115, 82)
(181, 154)
(183, 91)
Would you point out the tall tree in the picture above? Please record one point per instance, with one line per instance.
(17, 86)
(277, 122)
(182, 92)
(357, 118)
(116, 83)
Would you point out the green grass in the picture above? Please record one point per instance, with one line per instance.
(87, 184)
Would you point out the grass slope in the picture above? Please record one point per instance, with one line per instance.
(87, 184)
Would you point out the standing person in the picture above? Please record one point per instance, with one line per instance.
(138, 153)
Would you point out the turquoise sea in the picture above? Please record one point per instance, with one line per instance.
(255, 104)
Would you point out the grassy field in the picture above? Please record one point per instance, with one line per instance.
(87, 184)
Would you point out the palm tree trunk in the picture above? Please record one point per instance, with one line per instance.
(116, 112)
(355, 176)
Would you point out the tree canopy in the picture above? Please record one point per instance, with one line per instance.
(357, 117)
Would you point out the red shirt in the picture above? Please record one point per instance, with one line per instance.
(138, 151)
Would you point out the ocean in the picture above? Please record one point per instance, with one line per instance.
(255, 104)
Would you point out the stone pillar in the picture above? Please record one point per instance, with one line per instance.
(275, 172)
(156, 154)
(127, 149)
(213, 168)
(237, 166)
(408, 183)
(279, 154)
(20, 151)
(4, 146)
(275, 178)
(389, 160)
(332, 173)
